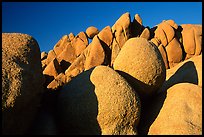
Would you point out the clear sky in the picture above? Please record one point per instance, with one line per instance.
(47, 22)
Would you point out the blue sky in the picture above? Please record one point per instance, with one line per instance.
(47, 22)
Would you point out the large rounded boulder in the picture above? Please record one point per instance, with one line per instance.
(22, 81)
(141, 63)
(181, 111)
(98, 101)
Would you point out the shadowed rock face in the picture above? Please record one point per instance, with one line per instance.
(22, 81)
(98, 101)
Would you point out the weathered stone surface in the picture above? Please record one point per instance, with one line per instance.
(22, 81)
(91, 31)
(82, 35)
(106, 35)
(71, 36)
(44, 64)
(172, 24)
(59, 47)
(121, 33)
(174, 52)
(51, 55)
(187, 71)
(192, 39)
(156, 41)
(59, 81)
(66, 57)
(118, 114)
(52, 70)
(92, 56)
(79, 43)
(165, 33)
(145, 34)
(188, 39)
(198, 39)
(164, 55)
(141, 63)
(181, 112)
(160, 34)
(98, 101)
(43, 55)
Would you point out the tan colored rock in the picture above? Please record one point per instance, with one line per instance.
(66, 57)
(44, 64)
(165, 33)
(71, 36)
(181, 112)
(172, 24)
(141, 63)
(51, 55)
(61, 44)
(121, 28)
(118, 114)
(91, 31)
(138, 19)
(79, 43)
(98, 101)
(198, 39)
(145, 34)
(43, 55)
(156, 41)
(160, 34)
(188, 37)
(59, 81)
(164, 55)
(83, 37)
(92, 56)
(187, 71)
(106, 35)
(22, 82)
(96, 54)
(115, 49)
(122, 32)
(52, 70)
(76, 67)
(174, 52)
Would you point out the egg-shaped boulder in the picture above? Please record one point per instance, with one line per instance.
(141, 63)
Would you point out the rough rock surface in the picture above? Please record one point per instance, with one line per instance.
(143, 66)
(181, 113)
(192, 38)
(121, 33)
(22, 81)
(91, 31)
(92, 56)
(98, 101)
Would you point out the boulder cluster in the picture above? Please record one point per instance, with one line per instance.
(129, 80)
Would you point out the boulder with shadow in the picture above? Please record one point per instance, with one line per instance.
(98, 101)
(141, 63)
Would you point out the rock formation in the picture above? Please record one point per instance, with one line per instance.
(104, 103)
(22, 82)
(129, 80)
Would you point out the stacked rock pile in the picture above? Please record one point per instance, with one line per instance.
(130, 80)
